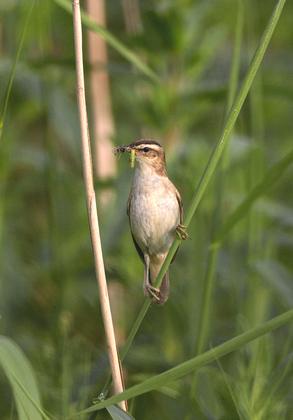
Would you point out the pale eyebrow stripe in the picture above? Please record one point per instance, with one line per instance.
(150, 146)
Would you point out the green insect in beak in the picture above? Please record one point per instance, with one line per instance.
(131, 159)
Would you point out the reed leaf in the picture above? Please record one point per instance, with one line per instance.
(196, 362)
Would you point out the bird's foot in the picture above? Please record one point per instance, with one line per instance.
(180, 230)
(151, 290)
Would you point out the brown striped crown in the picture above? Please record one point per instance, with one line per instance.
(153, 151)
(146, 142)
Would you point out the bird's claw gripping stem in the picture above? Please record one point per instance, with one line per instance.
(180, 230)
(153, 291)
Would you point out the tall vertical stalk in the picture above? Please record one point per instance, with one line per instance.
(92, 208)
(220, 184)
(210, 167)
(4, 167)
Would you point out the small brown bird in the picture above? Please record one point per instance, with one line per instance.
(155, 213)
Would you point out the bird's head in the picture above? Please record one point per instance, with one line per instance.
(149, 155)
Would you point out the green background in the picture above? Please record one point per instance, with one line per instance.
(49, 298)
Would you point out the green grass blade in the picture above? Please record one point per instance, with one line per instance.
(235, 110)
(130, 338)
(111, 40)
(203, 319)
(271, 177)
(236, 58)
(217, 151)
(22, 380)
(118, 414)
(228, 126)
(8, 90)
(197, 362)
(231, 390)
(223, 138)
(29, 397)
(233, 80)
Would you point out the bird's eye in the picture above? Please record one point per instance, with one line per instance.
(146, 149)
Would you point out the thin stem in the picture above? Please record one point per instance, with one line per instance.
(216, 154)
(28, 395)
(114, 42)
(7, 93)
(227, 128)
(234, 112)
(268, 180)
(4, 166)
(92, 209)
(197, 362)
(204, 321)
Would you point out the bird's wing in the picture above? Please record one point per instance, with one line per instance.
(171, 187)
(180, 204)
(139, 251)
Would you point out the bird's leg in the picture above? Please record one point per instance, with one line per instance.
(180, 230)
(147, 287)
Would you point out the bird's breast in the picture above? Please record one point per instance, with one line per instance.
(154, 214)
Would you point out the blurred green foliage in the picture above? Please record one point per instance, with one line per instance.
(49, 298)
